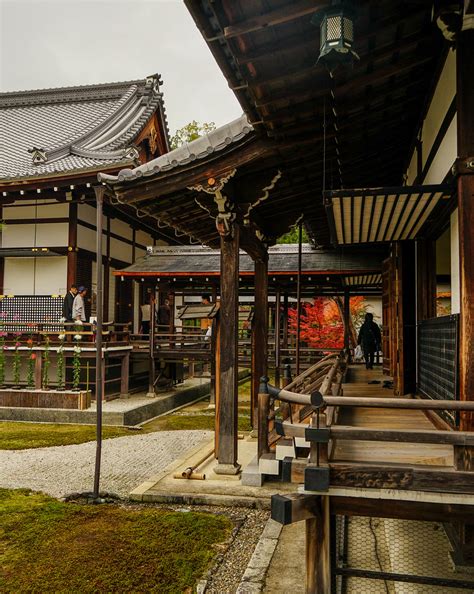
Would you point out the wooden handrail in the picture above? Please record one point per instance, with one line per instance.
(400, 403)
(462, 438)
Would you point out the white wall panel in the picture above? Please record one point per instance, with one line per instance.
(18, 236)
(19, 276)
(51, 275)
(121, 228)
(87, 213)
(120, 250)
(442, 99)
(86, 239)
(52, 234)
(445, 156)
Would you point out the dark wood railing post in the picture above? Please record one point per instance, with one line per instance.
(263, 413)
(151, 350)
(277, 336)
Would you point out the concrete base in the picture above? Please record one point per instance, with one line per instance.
(129, 412)
(251, 476)
(216, 489)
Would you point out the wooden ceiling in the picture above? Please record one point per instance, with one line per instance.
(352, 129)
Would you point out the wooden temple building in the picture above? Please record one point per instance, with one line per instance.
(359, 122)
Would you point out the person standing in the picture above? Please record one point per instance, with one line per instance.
(369, 339)
(68, 302)
(145, 307)
(163, 317)
(78, 306)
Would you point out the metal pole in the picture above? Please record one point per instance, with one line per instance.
(99, 195)
(298, 297)
(151, 353)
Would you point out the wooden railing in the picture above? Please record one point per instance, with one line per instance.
(323, 431)
(37, 333)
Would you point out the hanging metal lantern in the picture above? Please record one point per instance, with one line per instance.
(337, 35)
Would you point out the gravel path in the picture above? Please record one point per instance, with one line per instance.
(126, 462)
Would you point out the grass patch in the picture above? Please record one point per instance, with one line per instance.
(50, 546)
(22, 436)
(205, 422)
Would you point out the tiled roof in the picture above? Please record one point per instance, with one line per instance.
(58, 131)
(200, 148)
(283, 258)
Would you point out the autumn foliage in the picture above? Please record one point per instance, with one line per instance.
(321, 322)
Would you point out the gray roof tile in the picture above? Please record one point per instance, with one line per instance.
(74, 128)
(200, 148)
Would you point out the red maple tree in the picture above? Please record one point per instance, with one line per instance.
(321, 324)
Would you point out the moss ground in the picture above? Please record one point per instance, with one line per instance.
(21, 436)
(48, 546)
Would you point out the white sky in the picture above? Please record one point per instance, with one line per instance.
(56, 43)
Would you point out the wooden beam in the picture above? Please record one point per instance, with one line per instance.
(399, 509)
(290, 12)
(228, 369)
(294, 507)
(426, 279)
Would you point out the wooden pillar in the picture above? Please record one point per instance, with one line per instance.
(277, 336)
(259, 334)
(347, 320)
(151, 348)
(228, 349)
(285, 320)
(107, 271)
(318, 558)
(298, 297)
(426, 279)
(465, 130)
(124, 377)
(72, 246)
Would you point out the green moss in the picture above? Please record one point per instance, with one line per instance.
(50, 546)
(182, 421)
(22, 436)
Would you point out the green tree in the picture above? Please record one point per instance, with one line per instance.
(190, 132)
(293, 235)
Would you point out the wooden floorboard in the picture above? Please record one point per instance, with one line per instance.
(367, 451)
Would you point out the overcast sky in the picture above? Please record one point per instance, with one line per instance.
(56, 43)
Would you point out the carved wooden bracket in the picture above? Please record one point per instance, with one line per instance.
(226, 214)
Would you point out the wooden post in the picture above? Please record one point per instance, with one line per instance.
(151, 349)
(125, 371)
(298, 297)
(263, 411)
(347, 320)
(318, 558)
(426, 279)
(465, 130)
(277, 336)
(259, 334)
(228, 369)
(285, 320)
(72, 246)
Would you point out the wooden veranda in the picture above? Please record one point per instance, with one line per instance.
(309, 133)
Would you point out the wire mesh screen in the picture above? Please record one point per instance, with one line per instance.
(438, 359)
(389, 556)
(30, 308)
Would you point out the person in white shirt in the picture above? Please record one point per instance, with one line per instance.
(78, 306)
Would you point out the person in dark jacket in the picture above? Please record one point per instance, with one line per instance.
(67, 303)
(369, 339)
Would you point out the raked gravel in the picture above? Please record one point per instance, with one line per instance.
(126, 463)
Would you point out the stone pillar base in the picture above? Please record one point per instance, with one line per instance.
(227, 469)
(150, 395)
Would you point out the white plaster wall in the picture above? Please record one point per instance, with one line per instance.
(120, 250)
(442, 99)
(87, 213)
(143, 238)
(411, 171)
(374, 306)
(445, 156)
(86, 239)
(18, 235)
(121, 228)
(35, 276)
(19, 276)
(52, 234)
(455, 280)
